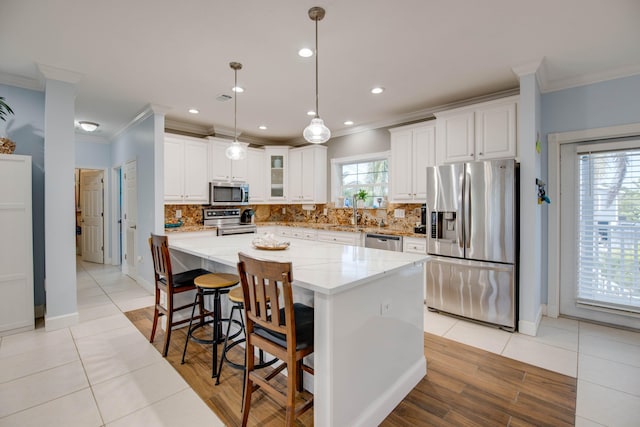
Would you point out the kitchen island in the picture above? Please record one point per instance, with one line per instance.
(368, 305)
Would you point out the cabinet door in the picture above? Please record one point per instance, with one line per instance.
(220, 164)
(196, 184)
(456, 137)
(302, 175)
(255, 175)
(239, 170)
(173, 170)
(295, 175)
(401, 166)
(496, 131)
(277, 164)
(424, 154)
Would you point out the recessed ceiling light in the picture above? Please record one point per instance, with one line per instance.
(348, 122)
(311, 113)
(194, 111)
(88, 126)
(238, 89)
(377, 90)
(305, 52)
(262, 127)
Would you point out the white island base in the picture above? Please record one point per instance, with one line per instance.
(368, 305)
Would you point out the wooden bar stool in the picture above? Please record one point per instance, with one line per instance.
(215, 284)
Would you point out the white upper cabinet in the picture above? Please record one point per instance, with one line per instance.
(256, 175)
(185, 170)
(412, 150)
(308, 174)
(277, 163)
(478, 132)
(223, 169)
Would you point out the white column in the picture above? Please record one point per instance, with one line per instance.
(59, 197)
(530, 309)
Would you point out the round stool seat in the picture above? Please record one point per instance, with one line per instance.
(216, 280)
(236, 295)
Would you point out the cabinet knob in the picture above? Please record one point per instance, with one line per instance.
(479, 154)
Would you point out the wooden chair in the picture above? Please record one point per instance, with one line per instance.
(277, 326)
(171, 284)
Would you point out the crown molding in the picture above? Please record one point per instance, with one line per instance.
(53, 73)
(147, 111)
(537, 67)
(22, 82)
(588, 79)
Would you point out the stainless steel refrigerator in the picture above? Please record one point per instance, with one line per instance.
(472, 213)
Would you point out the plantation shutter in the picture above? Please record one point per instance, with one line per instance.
(608, 264)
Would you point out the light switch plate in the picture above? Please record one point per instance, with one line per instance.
(398, 213)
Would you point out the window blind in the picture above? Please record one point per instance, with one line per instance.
(608, 198)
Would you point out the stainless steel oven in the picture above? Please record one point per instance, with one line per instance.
(227, 221)
(228, 194)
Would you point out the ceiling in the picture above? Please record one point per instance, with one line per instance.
(425, 53)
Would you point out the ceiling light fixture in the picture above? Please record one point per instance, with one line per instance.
(311, 113)
(377, 90)
(316, 132)
(194, 111)
(235, 151)
(262, 127)
(348, 122)
(305, 52)
(237, 89)
(88, 126)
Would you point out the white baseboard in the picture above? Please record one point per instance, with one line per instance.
(53, 323)
(148, 286)
(530, 328)
(384, 405)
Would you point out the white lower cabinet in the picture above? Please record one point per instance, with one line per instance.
(298, 233)
(417, 245)
(340, 237)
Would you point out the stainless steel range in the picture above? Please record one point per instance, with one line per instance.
(227, 221)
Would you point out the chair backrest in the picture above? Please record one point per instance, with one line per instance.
(161, 260)
(261, 281)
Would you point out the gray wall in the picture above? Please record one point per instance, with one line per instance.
(26, 129)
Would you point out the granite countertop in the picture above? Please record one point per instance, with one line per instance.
(316, 226)
(342, 227)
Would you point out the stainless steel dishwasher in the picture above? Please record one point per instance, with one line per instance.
(383, 241)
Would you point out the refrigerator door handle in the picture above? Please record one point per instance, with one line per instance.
(467, 210)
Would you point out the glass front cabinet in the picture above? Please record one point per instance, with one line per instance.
(277, 158)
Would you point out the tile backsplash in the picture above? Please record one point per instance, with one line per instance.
(192, 214)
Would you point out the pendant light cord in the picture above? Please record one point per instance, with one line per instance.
(317, 112)
(235, 106)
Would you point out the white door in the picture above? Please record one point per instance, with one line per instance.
(600, 232)
(92, 216)
(130, 208)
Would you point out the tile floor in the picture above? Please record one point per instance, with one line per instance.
(103, 372)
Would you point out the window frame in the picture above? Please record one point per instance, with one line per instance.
(336, 169)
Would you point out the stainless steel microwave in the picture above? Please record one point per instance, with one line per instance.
(228, 193)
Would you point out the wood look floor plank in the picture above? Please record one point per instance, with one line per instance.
(464, 386)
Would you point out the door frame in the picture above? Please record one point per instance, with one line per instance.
(116, 215)
(106, 208)
(555, 140)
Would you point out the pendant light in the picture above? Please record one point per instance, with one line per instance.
(316, 132)
(235, 151)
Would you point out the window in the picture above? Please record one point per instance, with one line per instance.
(369, 174)
(609, 229)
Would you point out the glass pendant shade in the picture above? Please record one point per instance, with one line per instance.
(316, 132)
(235, 151)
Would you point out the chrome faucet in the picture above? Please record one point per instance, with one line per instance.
(356, 215)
